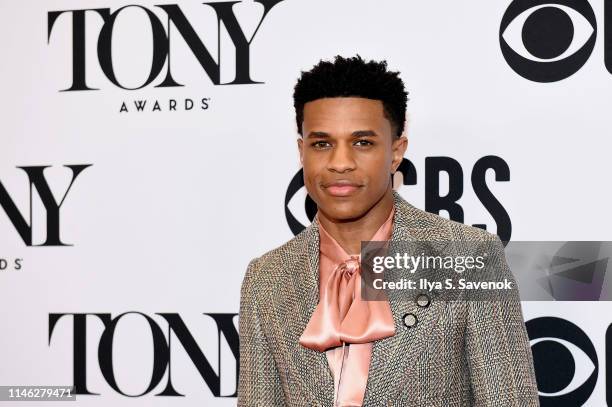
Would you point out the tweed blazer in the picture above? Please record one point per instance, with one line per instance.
(460, 353)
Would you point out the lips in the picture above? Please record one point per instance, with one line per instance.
(341, 188)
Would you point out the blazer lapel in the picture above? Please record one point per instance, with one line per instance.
(312, 366)
(393, 358)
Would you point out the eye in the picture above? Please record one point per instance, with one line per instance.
(547, 33)
(575, 365)
(547, 41)
(320, 144)
(364, 143)
(565, 361)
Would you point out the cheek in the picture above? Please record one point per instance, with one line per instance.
(377, 167)
(310, 171)
(313, 162)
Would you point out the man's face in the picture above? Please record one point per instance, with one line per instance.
(348, 152)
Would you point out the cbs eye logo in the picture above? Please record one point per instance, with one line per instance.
(546, 40)
(565, 362)
(296, 192)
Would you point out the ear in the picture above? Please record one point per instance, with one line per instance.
(300, 143)
(398, 147)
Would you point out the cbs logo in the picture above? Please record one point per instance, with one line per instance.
(565, 361)
(546, 40)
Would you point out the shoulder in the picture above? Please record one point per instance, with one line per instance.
(435, 226)
(284, 253)
(447, 229)
(461, 231)
(271, 267)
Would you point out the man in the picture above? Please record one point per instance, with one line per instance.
(307, 338)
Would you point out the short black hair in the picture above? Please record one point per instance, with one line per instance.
(345, 77)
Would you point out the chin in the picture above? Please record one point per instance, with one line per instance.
(343, 211)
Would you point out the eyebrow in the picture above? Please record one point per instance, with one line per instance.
(356, 133)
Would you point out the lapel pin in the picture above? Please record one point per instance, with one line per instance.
(410, 320)
(422, 300)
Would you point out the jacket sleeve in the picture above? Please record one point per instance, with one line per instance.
(496, 343)
(259, 382)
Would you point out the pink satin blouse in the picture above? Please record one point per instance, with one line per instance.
(343, 325)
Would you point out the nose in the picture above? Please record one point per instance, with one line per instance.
(341, 159)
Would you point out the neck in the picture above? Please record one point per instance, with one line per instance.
(349, 234)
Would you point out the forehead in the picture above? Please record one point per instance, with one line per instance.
(344, 113)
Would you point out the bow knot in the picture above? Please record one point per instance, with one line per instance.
(342, 316)
(350, 266)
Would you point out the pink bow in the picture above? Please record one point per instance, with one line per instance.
(342, 315)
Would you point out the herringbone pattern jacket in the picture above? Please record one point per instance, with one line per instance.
(460, 353)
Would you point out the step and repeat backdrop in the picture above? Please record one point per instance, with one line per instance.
(148, 152)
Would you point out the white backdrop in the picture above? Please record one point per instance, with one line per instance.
(175, 203)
